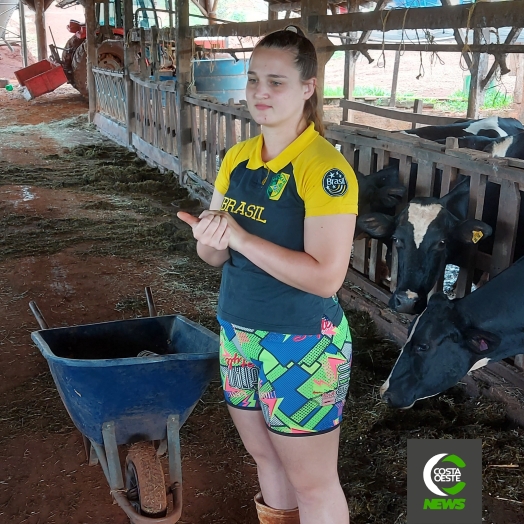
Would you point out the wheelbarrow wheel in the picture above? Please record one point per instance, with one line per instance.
(145, 485)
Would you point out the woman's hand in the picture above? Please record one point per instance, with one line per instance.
(210, 228)
(237, 234)
(215, 228)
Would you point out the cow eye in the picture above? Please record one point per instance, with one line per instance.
(420, 348)
(442, 242)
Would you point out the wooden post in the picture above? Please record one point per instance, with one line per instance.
(23, 32)
(478, 71)
(518, 96)
(350, 68)
(153, 54)
(394, 82)
(183, 64)
(312, 8)
(106, 28)
(271, 14)
(170, 9)
(417, 109)
(90, 16)
(144, 68)
(129, 59)
(41, 38)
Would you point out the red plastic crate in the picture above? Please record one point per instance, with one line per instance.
(46, 82)
(33, 70)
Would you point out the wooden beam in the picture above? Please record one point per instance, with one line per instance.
(41, 38)
(364, 37)
(291, 6)
(459, 38)
(500, 61)
(491, 49)
(497, 14)
(428, 120)
(235, 29)
(90, 17)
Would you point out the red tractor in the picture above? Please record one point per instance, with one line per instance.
(110, 53)
(71, 67)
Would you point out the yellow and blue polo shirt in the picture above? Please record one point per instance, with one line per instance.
(271, 200)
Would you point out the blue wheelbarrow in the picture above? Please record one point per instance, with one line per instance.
(132, 382)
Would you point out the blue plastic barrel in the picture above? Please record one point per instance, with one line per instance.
(223, 78)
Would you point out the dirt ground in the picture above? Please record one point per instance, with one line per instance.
(84, 226)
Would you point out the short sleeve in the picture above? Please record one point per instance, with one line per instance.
(222, 180)
(330, 187)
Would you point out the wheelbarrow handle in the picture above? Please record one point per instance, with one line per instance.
(150, 302)
(38, 315)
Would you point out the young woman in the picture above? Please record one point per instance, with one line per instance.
(281, 224)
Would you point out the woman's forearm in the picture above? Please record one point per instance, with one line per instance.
(295, 268)
(214, 257)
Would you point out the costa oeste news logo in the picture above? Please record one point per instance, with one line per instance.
(438, 479)
(444, 481)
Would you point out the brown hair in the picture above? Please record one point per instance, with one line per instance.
(293, 39)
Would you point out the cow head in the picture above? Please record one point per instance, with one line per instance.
(428, 234)
(379, 191)
(442, 347)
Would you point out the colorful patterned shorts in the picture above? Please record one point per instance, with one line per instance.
(299, 381)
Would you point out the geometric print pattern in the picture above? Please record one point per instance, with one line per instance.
(300, 382)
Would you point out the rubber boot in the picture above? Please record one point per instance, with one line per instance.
(267, 515)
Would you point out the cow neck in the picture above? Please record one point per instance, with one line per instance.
(498, 306)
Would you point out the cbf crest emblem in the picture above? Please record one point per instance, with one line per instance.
(277, 185)
(335, 183)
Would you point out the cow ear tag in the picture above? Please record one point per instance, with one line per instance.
(477, 235)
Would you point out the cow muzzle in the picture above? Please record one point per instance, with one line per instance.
(395, 402)
(407, 302)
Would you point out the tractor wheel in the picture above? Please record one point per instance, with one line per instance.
(145, 483)
(110, 56)
(69, 51)
(79, 66)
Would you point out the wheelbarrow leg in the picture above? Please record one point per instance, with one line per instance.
(91, 455)
(173, 444)
(107, 455)
(115, 479)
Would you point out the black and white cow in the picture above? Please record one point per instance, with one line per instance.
(491, 127)
(511, 146)
(453, 337)
(379, 191)
(429, 233)
(473, 142)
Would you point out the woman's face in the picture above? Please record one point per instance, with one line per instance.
(274, 92)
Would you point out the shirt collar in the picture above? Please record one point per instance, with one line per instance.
(285, 157)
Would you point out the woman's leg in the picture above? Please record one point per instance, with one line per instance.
(310, 463)
(276, 489)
